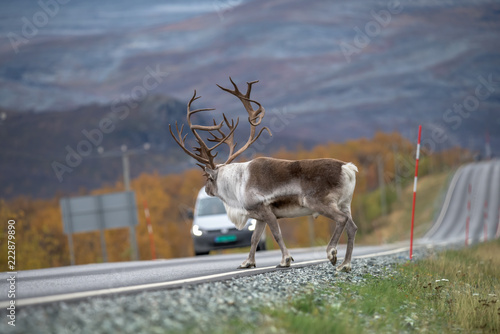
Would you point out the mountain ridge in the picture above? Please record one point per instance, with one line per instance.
(422, 64)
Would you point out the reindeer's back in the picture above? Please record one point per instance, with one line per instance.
(312, 175)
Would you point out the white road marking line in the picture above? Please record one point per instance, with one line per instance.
(389, 252)
(138, 288)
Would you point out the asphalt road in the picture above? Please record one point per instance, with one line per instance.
(82, 281)
(484, 181)
(75, 282)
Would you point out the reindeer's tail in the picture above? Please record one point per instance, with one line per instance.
(350, 169)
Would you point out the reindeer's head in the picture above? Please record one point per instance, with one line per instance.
(202, 153)
(211, 184)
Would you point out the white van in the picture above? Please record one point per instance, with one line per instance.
(213, 230)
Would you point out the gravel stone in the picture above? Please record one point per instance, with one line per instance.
(201, 307)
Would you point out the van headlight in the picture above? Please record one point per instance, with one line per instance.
(196, 231)
(251, 226)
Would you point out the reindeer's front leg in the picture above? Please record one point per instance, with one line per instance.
(257, 233)
(286, 258)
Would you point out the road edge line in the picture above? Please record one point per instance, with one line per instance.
(143, 287)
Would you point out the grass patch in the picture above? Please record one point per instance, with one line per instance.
(395, 226)
(454, 291)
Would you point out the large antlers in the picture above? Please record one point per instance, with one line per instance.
(254, 118)
(203, 153)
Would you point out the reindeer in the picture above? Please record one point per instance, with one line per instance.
(268, 189)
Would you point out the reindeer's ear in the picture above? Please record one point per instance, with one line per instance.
(211, 173)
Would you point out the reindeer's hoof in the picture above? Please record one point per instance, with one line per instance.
(344, 268)
(247, 265)
(288, 263)
(332, 256)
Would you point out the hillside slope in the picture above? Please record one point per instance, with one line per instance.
(323, 76)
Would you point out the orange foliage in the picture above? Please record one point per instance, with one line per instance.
(41, 243)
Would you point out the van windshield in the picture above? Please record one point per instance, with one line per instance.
(210, 206)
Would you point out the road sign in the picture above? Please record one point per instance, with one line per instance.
(101, 212)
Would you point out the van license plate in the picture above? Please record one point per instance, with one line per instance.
(225, 238)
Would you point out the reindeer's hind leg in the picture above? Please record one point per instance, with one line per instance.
(341, 220)
(332, 211)
(351, 229)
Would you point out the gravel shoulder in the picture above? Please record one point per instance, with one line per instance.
(201, 308)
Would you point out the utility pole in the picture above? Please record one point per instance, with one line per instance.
(381, 183)
(488, 147)
(125, 154)
(397, 179)
(126, 168)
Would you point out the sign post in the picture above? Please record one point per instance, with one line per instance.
(150, 230)
(99, 213)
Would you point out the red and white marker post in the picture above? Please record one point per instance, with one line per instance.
(150, 230)
(497, 235)
(485, 220)
(415, 190)
(467, 221)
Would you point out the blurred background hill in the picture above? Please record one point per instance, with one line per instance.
(83, 81)
(329, 71)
